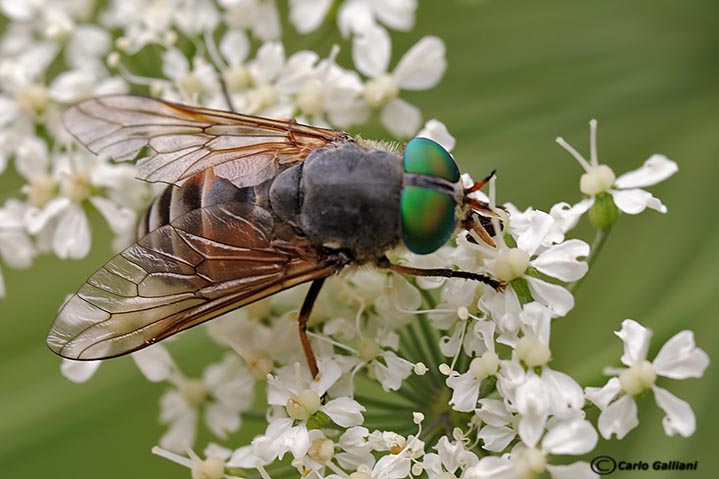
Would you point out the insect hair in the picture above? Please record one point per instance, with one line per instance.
(385, 145)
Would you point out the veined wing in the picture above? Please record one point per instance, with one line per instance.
(183, 140)
(206, 262)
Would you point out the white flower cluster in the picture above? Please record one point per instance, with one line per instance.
(443, 377)
(53, 54)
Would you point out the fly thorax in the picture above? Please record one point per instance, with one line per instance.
(344, 198)
(285, 194)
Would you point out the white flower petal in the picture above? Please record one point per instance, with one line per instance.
(423, 65)
(578, 470)
(618, 418)
(573, 437)
(16, 248)
(494, 412)
(437, 131)
(561, 261)
(397, 14)
(245, 457)
(32, 160)
(636, 342)
(566, 395)
(215, 450)
(181, 433)
(78, 371)
(174, 63)
(87, 44)
(679, 358)
(391, 466)
(532, 402)
(492, 467)
(371, 51)
(344, 411)
(72, 236)
(496, 438)
(221, 419)
(354, 18)
(266, 23)
(557, 298)
(307, 15)
(281, 437)
(655, 169)
(407, 297)
(604, 395)
(154, 362)
(121, 220)
(401, 118)
(635, 201)
(268, 62)
(538, 226)
(680, 417)
(235, 47)
(330, 372)
(8, 110)
(465, 393)
(567, 216)
(396, 370)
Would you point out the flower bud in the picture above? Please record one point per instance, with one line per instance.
(597, 180)
(603, 213)
(638, 378)
(532, 351)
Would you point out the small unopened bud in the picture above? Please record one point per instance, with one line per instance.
(368, 349)
(510, 264)
(532, 351)
(598, 179)
(420, 369)
(603, 212)
(194, 392)
(211, 468)
(113, 59)
(530, 463)
(322, 449)
(122, 44)
(417, 417)
(303, 405)
(638, 378)
(485, 365)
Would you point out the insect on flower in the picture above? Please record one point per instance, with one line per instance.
(253, 206)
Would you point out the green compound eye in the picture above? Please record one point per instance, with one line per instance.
(427, 215)
(428, 218)
(424, 156)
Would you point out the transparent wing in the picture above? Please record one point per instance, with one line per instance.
(205, 263)
(183, 140)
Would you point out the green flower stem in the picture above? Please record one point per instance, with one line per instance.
(599, 239)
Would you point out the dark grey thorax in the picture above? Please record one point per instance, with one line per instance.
(345, 198)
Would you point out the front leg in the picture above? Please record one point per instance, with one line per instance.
(385, 263)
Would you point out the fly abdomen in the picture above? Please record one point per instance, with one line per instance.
(202, 190)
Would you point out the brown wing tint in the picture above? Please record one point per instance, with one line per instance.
(183, 140)
(205, 263)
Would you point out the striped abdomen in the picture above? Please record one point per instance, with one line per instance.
(202, 190)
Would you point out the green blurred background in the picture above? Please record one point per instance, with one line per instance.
(520, 74)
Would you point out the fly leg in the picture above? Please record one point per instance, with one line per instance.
(444, 272)
(304, 316)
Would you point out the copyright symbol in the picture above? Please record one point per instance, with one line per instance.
(603, 465)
